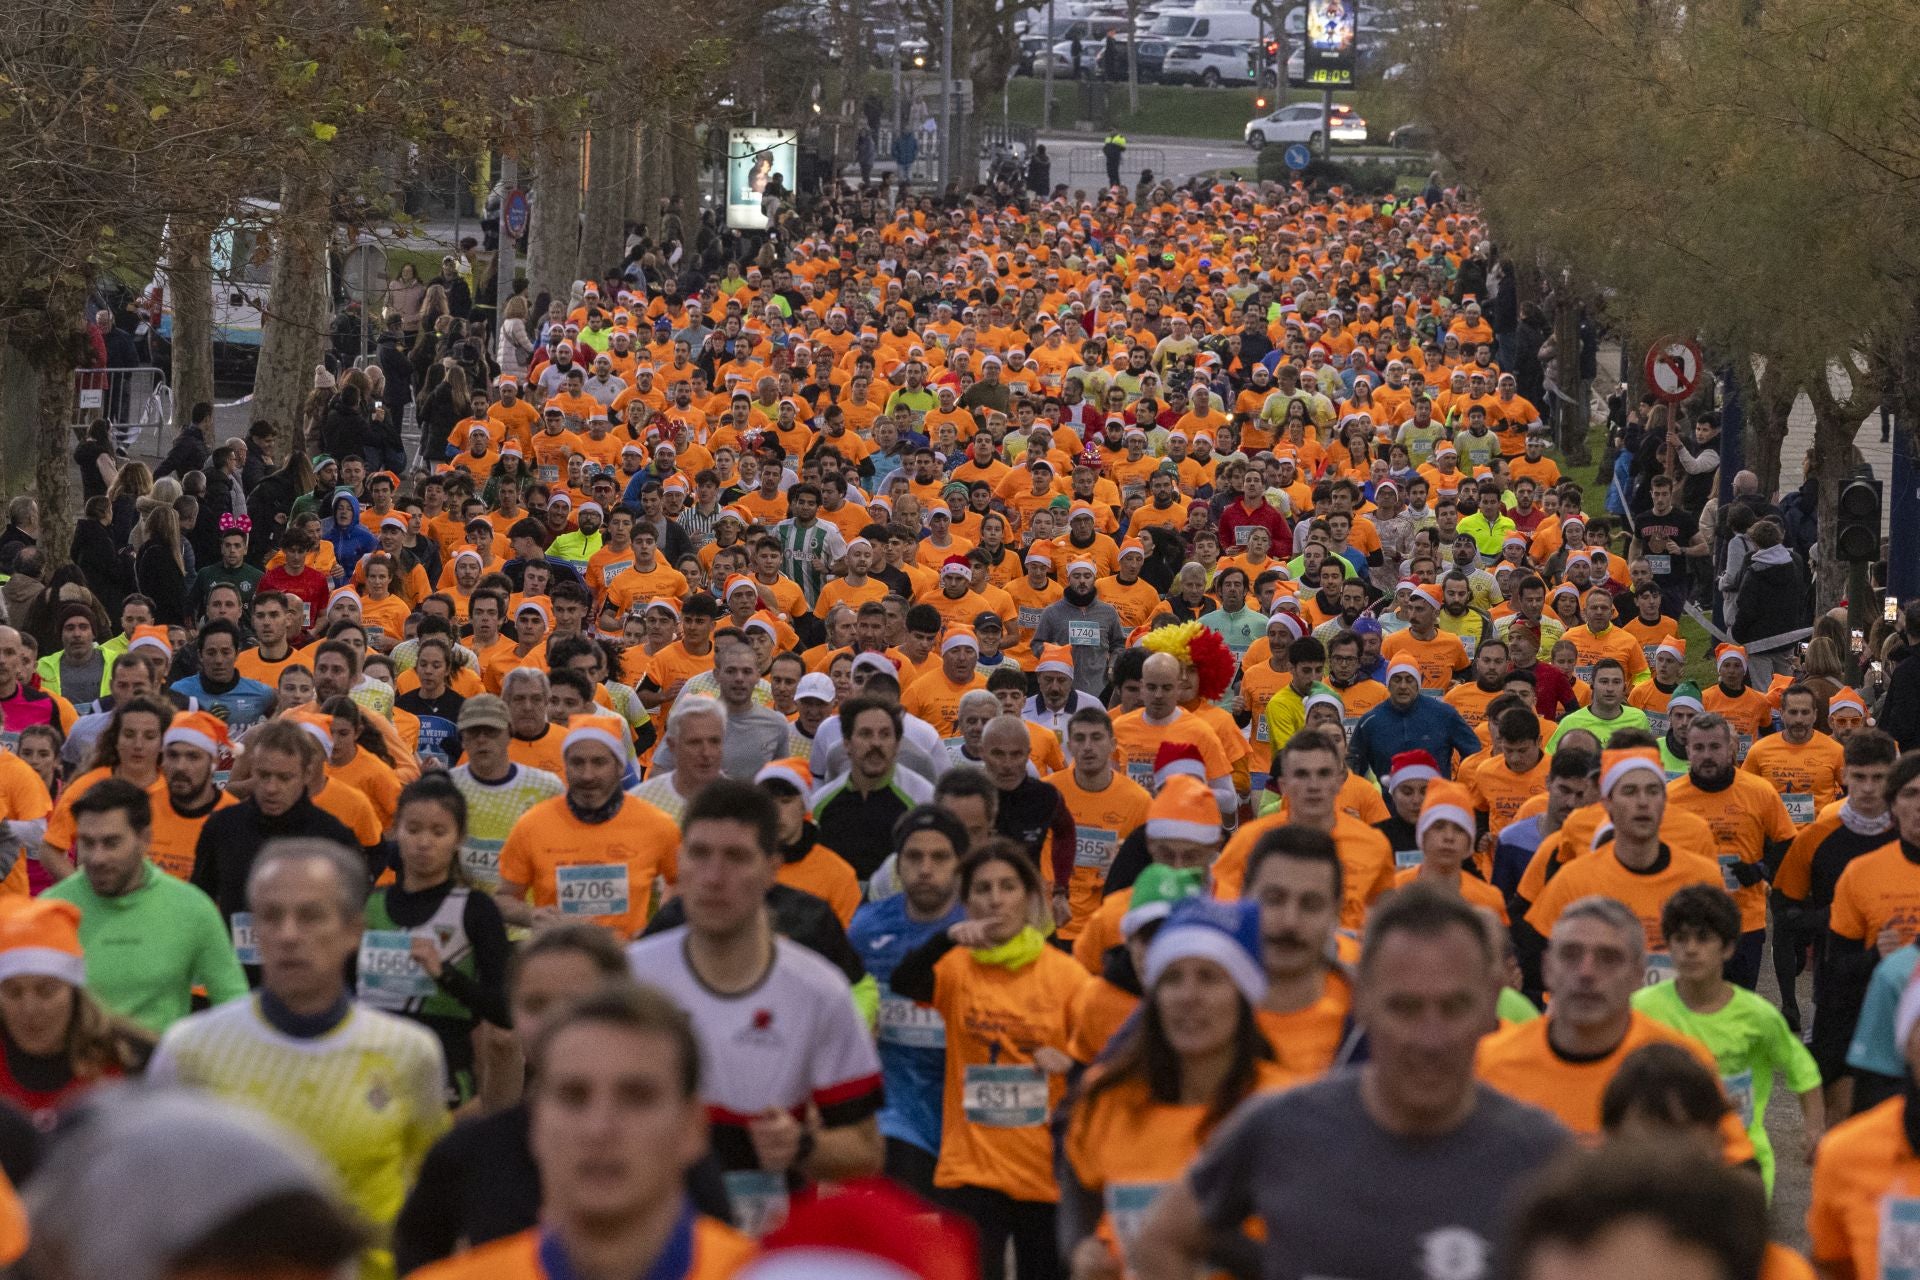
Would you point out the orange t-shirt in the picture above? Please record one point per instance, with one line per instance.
(996, 1101)
(601, 874)
(1102, 820)
(1439, 659)
(1519, 1062)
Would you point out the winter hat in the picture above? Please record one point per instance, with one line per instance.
(1177, 758)
(793, 771)
(1184, 809)
(1725, 651)
(608, 731)
(152, 637)
(1411, 766)
(1057, 658)
(197, 729)
(1154, 894)
(1617, 764)
(1445, 802)
(40, 937)
(1685, 694)
(869, 1229)
(323, 378)
(1227, 933)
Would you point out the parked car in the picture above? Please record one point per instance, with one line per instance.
(1412, 137)
(1347, 125)
(1208, 62)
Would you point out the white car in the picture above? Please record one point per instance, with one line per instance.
(1299, 122)
(1206, 62)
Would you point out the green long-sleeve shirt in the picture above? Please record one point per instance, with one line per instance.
(147, 949)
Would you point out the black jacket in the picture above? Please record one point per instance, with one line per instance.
(159, 576)
(232, 839)
(1774, 598)
(346, 429)
(189, 453)
(399, 371)
(109, 574)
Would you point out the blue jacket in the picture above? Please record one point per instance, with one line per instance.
(350, 541)
(1428, 725)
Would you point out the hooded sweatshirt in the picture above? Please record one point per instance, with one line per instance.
(350, 541)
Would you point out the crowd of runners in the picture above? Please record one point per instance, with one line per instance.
(1085, 738)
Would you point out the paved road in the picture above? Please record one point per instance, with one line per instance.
(1077, 159)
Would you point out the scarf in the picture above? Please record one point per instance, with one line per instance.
(1016, 953)
(1078, 599)
(1852, 820)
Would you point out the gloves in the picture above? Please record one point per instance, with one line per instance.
(1747, 873)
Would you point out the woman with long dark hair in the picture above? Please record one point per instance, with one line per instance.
(1003, 995)
(1195, 1053)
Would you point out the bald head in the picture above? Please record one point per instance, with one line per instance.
(1160, 685)
(1746, 484)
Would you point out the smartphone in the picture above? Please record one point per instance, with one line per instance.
(1892, 610)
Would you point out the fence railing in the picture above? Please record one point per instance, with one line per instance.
(1092, 162)
(136, 400)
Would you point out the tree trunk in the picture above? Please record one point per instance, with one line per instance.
(553, 243)
(1835, 424)
(1572, 414)
(609, 174)
(293, 332)
(36, 430)
(1770, 398)
(190, 276)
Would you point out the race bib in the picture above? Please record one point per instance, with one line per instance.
(1739, 1087)
(547, 474)
(1243, 534)
(1011, 1097)
(244, 945)
(1741, 745)
(1260, 731)
(1127, 1205)
(1469, 643)
(1658, 723)
(1799, 807)
(592, 889)
(1660, 566)
(1029, 619)
(1141, 771)
(388, 969)
(1900, 1238)
(910, 1025)
(1405, 858)
(10, 742)
(1659, 968)
(758, 1198)
(1094, 847)
(1583, 672)
(481, 858)
(1083, 634)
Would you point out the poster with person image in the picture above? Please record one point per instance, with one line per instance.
(1331, 29)
(761, 165)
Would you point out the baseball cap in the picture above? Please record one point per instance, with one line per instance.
(484, 711)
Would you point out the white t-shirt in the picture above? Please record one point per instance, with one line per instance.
(793, 1039)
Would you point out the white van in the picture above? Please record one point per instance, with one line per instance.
(1214, 26)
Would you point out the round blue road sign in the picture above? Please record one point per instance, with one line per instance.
(1297, 156)
(516, 212)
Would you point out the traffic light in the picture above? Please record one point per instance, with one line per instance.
(1858, 538)
(1260, 102)
(1273, 47)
